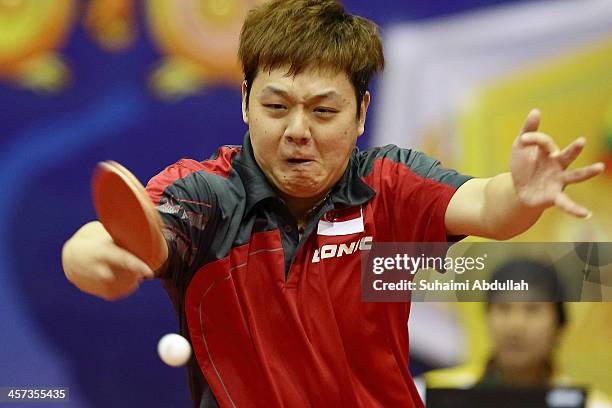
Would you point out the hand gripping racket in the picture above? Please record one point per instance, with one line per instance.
(127, 213)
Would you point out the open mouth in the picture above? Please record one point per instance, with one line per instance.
(299, 161)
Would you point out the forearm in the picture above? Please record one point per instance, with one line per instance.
(489, 208)
(502, 212)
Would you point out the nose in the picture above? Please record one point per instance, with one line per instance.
(518, 318)
(298, 129)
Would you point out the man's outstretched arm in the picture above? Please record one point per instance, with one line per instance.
(510, 203)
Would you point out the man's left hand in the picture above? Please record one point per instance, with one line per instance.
(540, 170)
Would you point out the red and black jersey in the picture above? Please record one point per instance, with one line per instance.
(278, 321)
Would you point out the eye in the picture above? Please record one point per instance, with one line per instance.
(322, 111)
(275, 106)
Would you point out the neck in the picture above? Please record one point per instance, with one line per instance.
(302, 208)
(531, 375)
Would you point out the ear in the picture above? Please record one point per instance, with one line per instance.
(245, 112)
(363, 109)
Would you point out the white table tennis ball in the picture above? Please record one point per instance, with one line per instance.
(174, 349)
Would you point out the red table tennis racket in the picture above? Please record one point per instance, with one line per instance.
(128, 214)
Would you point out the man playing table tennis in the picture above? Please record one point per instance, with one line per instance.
(264, 239)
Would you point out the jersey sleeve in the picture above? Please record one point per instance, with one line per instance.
(417, 190)
(437, 188)
(188, 208)
(430, 168)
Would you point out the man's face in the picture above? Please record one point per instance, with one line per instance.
(523, 333)
(303, 128)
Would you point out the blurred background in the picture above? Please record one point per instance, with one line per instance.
(148, 82)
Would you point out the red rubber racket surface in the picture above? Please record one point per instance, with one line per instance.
(124, 208)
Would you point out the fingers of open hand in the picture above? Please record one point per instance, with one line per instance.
(532, 122)
(570, 153)
(541, 140)
(563, 202)
(583, 173)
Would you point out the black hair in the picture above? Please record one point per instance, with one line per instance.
(540, 277)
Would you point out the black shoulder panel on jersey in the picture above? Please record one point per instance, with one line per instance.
(416, 161)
